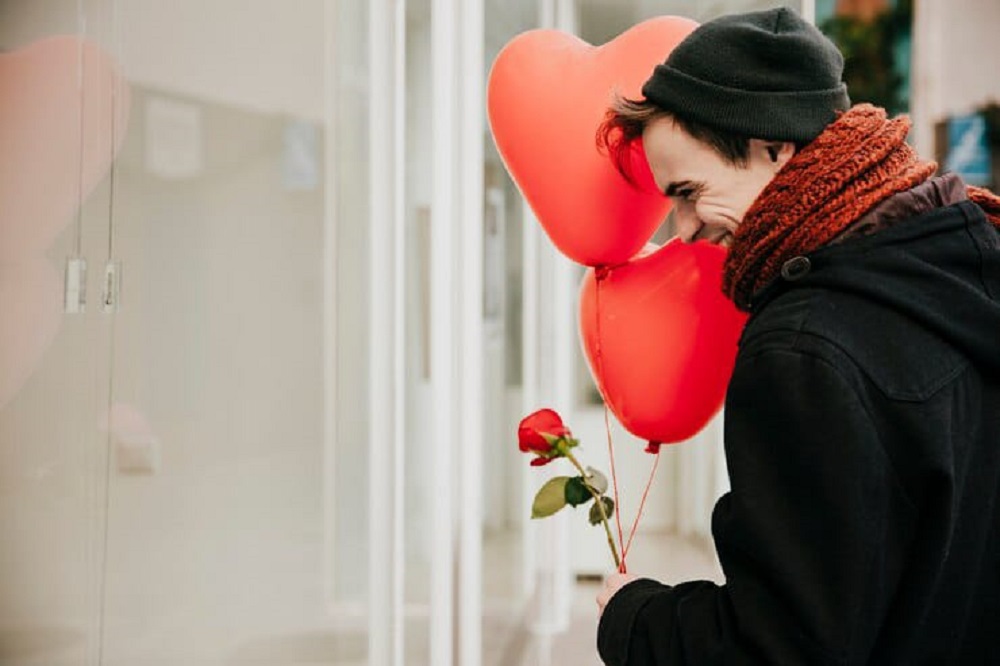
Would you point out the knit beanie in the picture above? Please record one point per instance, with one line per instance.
(764, 75)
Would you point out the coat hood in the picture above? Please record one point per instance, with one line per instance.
(940, 269)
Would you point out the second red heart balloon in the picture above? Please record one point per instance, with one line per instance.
(663, 342)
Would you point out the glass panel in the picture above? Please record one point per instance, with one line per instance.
(237, 526)
(54, 376)
(346, 472)
(212, 512)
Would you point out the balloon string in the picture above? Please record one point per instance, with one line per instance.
(600, 274)
(654, 448)
(614, 480)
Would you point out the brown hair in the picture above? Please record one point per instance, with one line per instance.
(626, 119)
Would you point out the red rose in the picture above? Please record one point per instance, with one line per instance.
(544, 435)
(539, 433)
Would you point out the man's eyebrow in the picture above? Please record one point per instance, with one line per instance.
(672, 189)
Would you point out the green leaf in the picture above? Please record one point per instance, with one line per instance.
(597, 481)
(595, 512)
(576, 492)
(550, 498)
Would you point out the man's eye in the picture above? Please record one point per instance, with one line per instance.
(684, 194)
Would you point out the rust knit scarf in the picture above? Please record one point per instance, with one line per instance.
(858, 161)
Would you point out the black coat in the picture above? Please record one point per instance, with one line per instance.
(862, 437)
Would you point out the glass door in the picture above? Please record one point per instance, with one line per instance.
(184, 457)
(236, 517)
(58, 83)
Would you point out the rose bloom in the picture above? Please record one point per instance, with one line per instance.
(539, 432)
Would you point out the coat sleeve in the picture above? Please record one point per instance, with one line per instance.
(809, 538)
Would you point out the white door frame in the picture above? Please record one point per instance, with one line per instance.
(456, 332)
(469, 91)
(456, 264)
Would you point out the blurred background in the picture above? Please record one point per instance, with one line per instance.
(271, 310)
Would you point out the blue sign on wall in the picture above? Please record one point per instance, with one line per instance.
(968, 150)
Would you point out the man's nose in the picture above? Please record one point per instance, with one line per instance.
(686, 222)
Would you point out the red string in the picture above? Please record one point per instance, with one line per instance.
(654, 448)
(614, 480)
(600, 273)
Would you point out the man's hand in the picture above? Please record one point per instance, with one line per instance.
(612, 584)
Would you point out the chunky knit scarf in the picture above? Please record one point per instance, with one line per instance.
(859, 160)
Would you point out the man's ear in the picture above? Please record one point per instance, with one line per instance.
(780, 153)
(777, 152)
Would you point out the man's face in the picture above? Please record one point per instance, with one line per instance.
(710, 195)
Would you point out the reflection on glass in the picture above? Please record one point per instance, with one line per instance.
(172, 484)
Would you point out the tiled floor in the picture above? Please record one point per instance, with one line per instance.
(245, 635)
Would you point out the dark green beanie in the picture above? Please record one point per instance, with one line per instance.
(765, 75)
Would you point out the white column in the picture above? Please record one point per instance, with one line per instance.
(387, 327)
(547, 383)
(445, 297)
(530, 396)
(926, 67)
(457, 330)
(721, 484)
(469, 90)
(809, 10)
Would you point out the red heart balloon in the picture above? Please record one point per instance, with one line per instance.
(547, 94)
(45, 172)
(41, 183)
(664, 347)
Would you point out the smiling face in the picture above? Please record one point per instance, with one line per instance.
(710, 194)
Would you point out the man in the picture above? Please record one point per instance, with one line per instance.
(862, 424)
